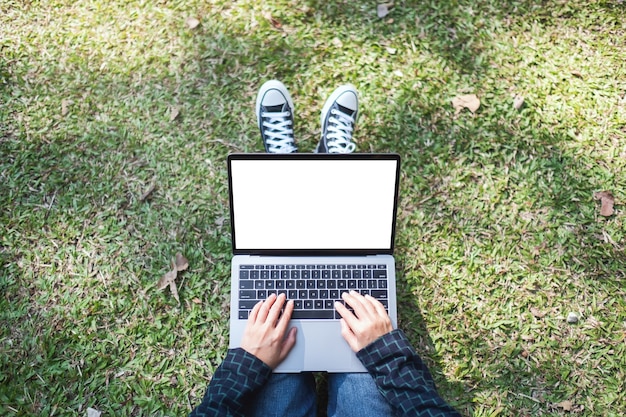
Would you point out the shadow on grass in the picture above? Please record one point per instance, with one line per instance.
(411, 321)
(546, 198)
(80, 254)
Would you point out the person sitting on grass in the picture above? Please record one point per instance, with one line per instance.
(397, 383)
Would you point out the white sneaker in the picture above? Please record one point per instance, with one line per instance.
(338, 119)
(274, 112)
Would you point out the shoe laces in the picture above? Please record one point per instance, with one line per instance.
(278, 132)
(339, 133)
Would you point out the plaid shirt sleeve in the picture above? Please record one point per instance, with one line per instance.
(239, 375)
(402, 378)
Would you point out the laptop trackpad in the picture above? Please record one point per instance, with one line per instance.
(320, 347)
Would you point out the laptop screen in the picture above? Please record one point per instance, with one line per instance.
(313, 203)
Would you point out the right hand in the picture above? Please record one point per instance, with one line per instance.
(369, 321)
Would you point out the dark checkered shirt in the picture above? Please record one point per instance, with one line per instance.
(401, 376)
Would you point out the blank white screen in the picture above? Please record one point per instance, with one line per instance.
(313, 204)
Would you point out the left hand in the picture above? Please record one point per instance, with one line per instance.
(264, 336)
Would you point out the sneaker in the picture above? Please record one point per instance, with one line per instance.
(338, 119)
(274, 112)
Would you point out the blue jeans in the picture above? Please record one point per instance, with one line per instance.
(293, 395)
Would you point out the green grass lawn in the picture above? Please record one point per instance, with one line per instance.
(499, 237)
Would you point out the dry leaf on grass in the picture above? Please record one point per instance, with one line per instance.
(192, 22)
(518, 102)
(606, 203)
(565, 405)
(273, 21)
(174, 291)
(467, 101)
(65, 107)
(174, 113)
(181, 262)
(167, 279)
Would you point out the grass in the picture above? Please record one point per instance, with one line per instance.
(499, 237)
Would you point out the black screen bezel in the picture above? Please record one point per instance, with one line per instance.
(312, 156)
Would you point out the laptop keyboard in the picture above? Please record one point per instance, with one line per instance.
(314, 288)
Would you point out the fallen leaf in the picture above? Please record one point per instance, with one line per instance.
(167, 279)
(390, 21)
(192, 22)
(274, 22)
(174, 291)
(565, 405)
(518, 102)
(577, 74)
(467, 101)
(606, 203)
(535, 312)
(174, 113)
(181, 262)
(196, 300)
(65, 107)
(383, 10)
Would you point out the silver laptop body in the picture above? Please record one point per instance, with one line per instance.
(312, 226)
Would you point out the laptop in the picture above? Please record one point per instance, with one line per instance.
(312, 226)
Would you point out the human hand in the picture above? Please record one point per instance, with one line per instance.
(264, 336)
(370, 322)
